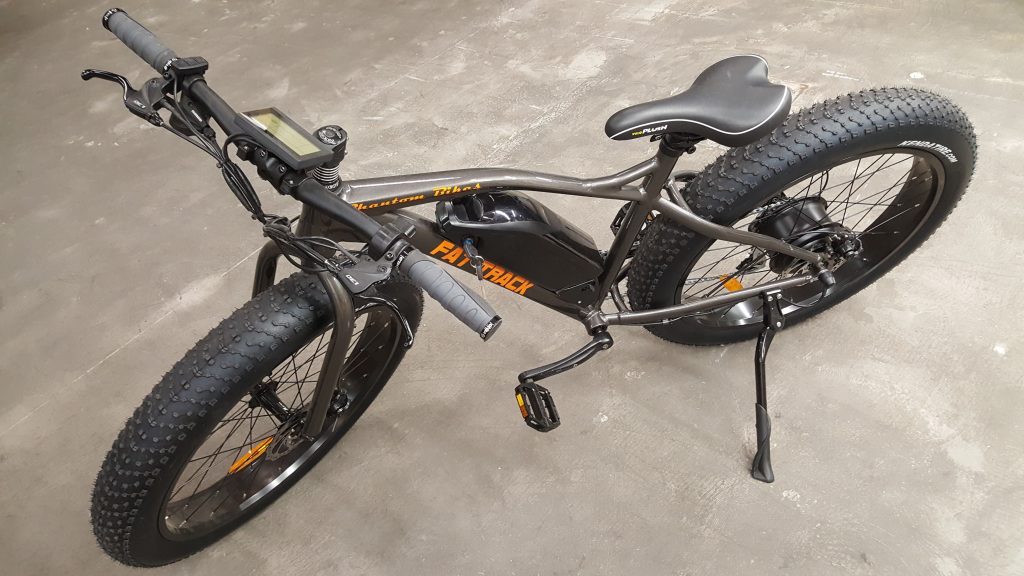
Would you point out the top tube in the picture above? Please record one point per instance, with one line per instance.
(391, 192)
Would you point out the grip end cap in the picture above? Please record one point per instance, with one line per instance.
(107, 15)
(490, 328)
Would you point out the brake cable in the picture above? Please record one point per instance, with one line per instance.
(311, 254)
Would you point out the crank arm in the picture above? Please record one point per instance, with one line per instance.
(601, 341)
(536, 404)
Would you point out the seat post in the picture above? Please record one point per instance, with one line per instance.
(670, 148)
(678, 143)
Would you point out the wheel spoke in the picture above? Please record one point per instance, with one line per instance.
(877, 224)
(703, 269)
(209, 492)
(849, 194)
(883, 193)
(209, 463)
(865, 214)
(866, 192)
(349, 369)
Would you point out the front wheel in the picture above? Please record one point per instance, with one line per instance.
(218, 439)
(887, 166)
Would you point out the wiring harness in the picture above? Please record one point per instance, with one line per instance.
(308, 253)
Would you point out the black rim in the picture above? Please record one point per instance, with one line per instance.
(208, 494)
(884, 196)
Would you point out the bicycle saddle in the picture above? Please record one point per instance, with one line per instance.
(731, 102)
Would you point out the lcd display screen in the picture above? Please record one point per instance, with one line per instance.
(274, 125)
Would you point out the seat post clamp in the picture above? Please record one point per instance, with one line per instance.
(676, 144)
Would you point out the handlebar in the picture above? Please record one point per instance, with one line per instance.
(461, 302)
(135, 36)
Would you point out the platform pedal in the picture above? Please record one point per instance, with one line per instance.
(535, 402)
(537, 406)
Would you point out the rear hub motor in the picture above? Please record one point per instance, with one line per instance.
(805, 223)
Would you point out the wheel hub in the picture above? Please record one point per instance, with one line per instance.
(288, 436)
(805, 223)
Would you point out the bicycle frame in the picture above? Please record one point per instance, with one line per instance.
(384, 199)
(557, 266)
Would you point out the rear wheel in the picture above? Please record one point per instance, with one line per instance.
(888, 166)
(219, 438)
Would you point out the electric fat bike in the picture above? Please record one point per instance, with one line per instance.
(802, 211)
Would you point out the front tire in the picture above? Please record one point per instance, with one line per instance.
(149, 504)
(798, 158)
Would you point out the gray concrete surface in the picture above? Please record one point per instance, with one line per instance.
(897, 416)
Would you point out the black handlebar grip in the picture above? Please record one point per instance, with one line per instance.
(138, 38)
(463, 303)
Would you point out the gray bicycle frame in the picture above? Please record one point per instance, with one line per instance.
(385, 198)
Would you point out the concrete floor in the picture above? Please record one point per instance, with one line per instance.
(897, 416)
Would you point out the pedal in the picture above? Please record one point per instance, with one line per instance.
(537, 406)
(535, 402)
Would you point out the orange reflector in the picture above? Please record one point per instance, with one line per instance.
(250, 456)
(731, 284)
(522, 405)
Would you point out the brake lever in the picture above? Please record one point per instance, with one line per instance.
(133, 99)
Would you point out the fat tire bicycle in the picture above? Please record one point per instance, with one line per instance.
(802, 211)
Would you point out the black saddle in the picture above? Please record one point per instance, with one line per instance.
(731, 102)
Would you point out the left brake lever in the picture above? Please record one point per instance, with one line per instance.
(133, 99)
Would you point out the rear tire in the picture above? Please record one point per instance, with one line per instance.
(812, 141)
(132, 498)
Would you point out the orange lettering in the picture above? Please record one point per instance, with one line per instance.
(443, 247)
(452, 256)
(526, 286)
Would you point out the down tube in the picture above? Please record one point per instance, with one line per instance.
(428, 240)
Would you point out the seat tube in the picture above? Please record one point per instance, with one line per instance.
(655, 182)
(635, 217)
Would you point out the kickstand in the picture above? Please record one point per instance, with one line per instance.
(773, 322)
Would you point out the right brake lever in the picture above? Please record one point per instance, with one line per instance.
(133, 99)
